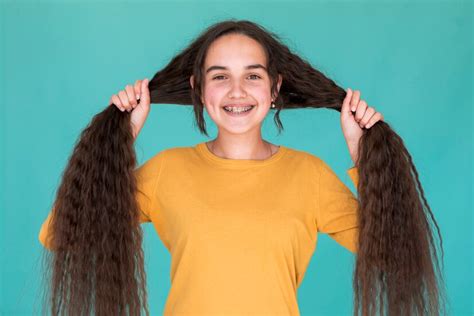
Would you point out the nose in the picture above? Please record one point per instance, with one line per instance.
(237, 91)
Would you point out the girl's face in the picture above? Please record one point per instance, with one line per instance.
(235, 75)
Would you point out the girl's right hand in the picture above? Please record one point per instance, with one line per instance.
(127, 100)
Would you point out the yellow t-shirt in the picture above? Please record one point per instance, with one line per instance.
(241, 232)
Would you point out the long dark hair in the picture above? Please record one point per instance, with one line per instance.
(98, 259)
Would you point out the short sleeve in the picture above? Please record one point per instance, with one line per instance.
(337, 207)
(354, 175)
(44, 236)
(146, 178)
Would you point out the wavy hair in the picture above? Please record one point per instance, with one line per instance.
(97, 263)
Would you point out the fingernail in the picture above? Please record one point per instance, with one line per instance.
(138, 97)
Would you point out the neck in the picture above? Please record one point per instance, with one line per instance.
(240, 147)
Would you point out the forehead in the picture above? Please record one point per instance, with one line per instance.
(235, 50)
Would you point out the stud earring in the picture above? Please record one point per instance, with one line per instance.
(273, 105)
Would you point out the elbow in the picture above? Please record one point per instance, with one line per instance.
(353, 249)
(43, 241)
(43, 235)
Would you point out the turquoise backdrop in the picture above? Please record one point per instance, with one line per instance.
(61, 61)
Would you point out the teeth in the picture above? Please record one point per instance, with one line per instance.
(238, 109)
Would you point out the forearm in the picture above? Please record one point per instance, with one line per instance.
(353, 152)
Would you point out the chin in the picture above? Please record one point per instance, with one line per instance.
(235, 129)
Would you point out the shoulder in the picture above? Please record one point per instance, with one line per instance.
(156, 158)
(303, 155)
(177, 153)
(305, 158)
(315, 163)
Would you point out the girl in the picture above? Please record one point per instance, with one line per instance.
(239, 215)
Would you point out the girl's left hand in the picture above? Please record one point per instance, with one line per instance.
(353, 123)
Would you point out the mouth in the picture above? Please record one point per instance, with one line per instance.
(238, 110)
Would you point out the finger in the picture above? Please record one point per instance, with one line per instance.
(374, 119)
(367, 115)
(131, 96)
(145, 92)
(355, 100)
(117, 102)
(124, 98)
(137, 88)
(345, 108)
(360, 111)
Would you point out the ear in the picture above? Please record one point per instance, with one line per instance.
(191, 82)
(280, 80)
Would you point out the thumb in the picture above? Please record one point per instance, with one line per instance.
(145, 92)
(346, 109)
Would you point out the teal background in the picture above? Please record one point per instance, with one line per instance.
(61, 61)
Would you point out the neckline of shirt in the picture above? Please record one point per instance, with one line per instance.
(238, 163)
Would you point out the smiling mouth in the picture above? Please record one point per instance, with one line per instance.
(238, 109)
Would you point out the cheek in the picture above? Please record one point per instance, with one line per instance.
(212, 98)
(260, 92)
(263, 95)
(213, 95)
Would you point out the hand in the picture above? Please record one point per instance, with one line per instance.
(353, 123)
(126, 100)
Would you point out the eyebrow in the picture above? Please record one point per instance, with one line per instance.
(254, 66)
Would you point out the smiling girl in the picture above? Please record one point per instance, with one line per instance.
(239, 215)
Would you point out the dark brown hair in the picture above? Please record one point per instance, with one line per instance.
(98, 259)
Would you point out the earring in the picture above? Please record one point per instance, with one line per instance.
(273, 105)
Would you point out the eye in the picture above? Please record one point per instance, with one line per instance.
(221, 76)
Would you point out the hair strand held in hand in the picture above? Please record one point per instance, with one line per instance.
(98, 262)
